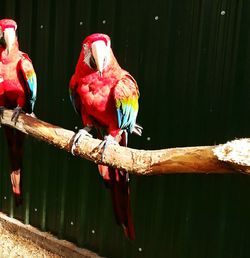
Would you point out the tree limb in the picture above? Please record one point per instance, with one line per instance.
(203, 159)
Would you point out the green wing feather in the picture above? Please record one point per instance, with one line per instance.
(126, 96)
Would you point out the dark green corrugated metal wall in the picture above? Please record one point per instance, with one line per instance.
(191, 59)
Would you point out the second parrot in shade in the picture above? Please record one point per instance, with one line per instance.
(18, 87)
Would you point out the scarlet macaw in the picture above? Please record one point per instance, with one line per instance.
(18, 87)
(106, 98)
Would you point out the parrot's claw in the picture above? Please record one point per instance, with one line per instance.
(109, 139)
(16, 114)
(1, 114)
(77, 138)
(31, 115)
(137, 130)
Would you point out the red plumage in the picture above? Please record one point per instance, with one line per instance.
(17, 91)
(106, 97)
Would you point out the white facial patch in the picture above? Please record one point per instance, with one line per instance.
(87, 55)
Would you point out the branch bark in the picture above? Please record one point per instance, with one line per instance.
(202, 159)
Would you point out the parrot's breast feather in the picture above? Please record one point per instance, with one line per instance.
(95, 98)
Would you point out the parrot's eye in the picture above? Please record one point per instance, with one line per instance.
(92, 63)
(84, 46)
(2, 41)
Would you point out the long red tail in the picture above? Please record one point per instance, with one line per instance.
(15, 140)
(117, 182)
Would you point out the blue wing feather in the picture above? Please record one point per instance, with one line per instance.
(126, 98)
(30, 78)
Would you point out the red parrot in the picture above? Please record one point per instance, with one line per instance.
(106, 98)
(18, 86)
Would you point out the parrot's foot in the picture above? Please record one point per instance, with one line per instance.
(109, 139)
(16, 114)
(31, 114)
(77, 138)
(1, 114)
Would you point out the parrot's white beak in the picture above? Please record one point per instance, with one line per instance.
(100, 54)
(10, 38)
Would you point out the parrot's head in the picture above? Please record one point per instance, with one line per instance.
(97, 52)
(8, 34)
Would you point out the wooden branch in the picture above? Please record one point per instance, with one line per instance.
(203, 159)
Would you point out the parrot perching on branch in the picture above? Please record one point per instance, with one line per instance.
(18, 87)
(106, 98)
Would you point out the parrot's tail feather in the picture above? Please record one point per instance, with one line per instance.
(15, 177)
(117, 182)
(15, 180)
(15, 140)
(18, 199)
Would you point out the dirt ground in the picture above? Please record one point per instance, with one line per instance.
(12, 246)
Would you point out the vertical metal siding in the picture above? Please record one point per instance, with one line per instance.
(191, 61)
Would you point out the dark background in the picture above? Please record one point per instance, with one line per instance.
(191, 59)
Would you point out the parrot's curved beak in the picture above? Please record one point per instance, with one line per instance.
(10, 38)
(99, 52)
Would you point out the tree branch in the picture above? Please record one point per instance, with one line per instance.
(226, 158)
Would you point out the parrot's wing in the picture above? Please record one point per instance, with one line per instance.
(126, 96)
(75, 99)
(29, 76)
